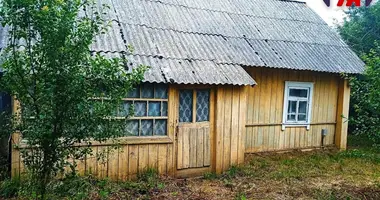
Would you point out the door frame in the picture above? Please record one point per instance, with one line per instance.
(192, 172)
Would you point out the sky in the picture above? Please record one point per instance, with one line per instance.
(329, 14)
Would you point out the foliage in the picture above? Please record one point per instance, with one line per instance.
(68, 95)
(146, 180)
(85, 187)
(4, 134)
(234, 171)
(9, 188)
(72, 186)
(361, 31)
(210, 176)
(240, 196)
(366, 98)
(361, 28)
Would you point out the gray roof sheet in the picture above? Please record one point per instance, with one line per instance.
(198, 41)
(271, 33)
(186, 71)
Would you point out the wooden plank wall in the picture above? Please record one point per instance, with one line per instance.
(230, 123)
(121, 164)
(265, 108)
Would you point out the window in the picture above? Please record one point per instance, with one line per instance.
(297, 104)
(149, 102)
(194, 102)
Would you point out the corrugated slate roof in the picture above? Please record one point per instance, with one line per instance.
(186, 71)
(198, 41)
(271, 33)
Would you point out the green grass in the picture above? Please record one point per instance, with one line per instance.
(323, 174)
(303, 165)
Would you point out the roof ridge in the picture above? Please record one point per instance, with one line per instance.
(226, 36)
(244, 14)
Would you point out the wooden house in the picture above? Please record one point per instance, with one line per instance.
(227, 78)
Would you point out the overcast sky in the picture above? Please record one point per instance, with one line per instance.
(329, 14)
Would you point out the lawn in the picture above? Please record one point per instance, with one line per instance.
(320, 174)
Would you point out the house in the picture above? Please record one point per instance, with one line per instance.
(227, 78)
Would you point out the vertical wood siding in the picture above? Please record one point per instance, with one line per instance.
(247, 119)
(265, 109)
(230, 126)
(122, 164)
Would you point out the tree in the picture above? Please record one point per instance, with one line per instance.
(361, 28)
(366, 95)
(68, 95)
(361, 31)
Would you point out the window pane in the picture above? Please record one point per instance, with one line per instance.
(147, 90)
(124, 109)
(301, 117)
(203, 105)
(146, 127)
(185, 106)
(164, 108)
(132, 128)
(160, 127)
(154, 109)
(302, 107)
(298, 93)
(292, 107)
(140, 108)
(134, 93)
(291, 117)
(161, 91)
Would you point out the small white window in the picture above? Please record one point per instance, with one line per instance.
(297, 104)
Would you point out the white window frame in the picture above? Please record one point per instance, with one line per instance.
(297, 85)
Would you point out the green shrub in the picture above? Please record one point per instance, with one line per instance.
(360, 154)
(10, 188)
(148, 175)
(234, 171)
(241, 196)
(146, 181)
(366, 98)
(210, 176)
(74, 187)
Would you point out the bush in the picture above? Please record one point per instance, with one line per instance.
(234, 171)
(210, 176)
(146, 181)
(72, 186)
(9, 188)
(366, 99)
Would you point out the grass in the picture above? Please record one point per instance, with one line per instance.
(324, 174)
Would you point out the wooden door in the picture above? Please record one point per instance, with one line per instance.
(193, 128)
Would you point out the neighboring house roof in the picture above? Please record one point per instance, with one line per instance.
(210, 41)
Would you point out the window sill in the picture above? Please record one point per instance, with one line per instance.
(284, 126)
(119, 141)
